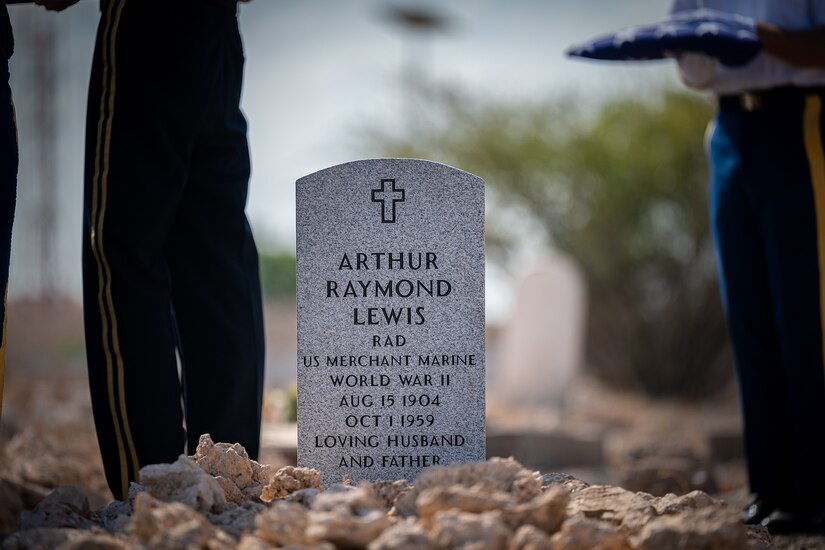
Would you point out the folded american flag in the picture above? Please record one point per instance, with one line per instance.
(727, 37)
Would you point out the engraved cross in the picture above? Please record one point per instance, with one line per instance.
(388, 198)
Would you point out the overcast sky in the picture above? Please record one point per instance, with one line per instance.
(318, 70)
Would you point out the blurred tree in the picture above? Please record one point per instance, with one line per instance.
(622, 188)
(278, 276)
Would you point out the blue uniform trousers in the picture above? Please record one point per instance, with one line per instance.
(169, 262)
(767, 200)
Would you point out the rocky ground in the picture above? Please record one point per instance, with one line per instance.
(52, 495)
(219, 498)
(663, 479)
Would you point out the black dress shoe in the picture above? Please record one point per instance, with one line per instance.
(810, 520)
(758, 510)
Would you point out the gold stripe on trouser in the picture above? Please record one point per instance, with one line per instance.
(117, 396)
(816, 160)
(709, 129)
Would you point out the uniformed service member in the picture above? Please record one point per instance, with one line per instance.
(767, 206)
(169, 262)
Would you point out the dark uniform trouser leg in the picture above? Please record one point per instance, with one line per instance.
(216, 288)
(8, 181)
(767, 179)
(152, 120)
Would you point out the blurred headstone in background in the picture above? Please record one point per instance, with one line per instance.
(543, 343)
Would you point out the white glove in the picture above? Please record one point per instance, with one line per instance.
(697, 70)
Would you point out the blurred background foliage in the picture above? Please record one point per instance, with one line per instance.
(277, 275)
(621, 187)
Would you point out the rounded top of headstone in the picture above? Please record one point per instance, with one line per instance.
(424, 168)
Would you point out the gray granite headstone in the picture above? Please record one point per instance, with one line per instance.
(390, 292)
